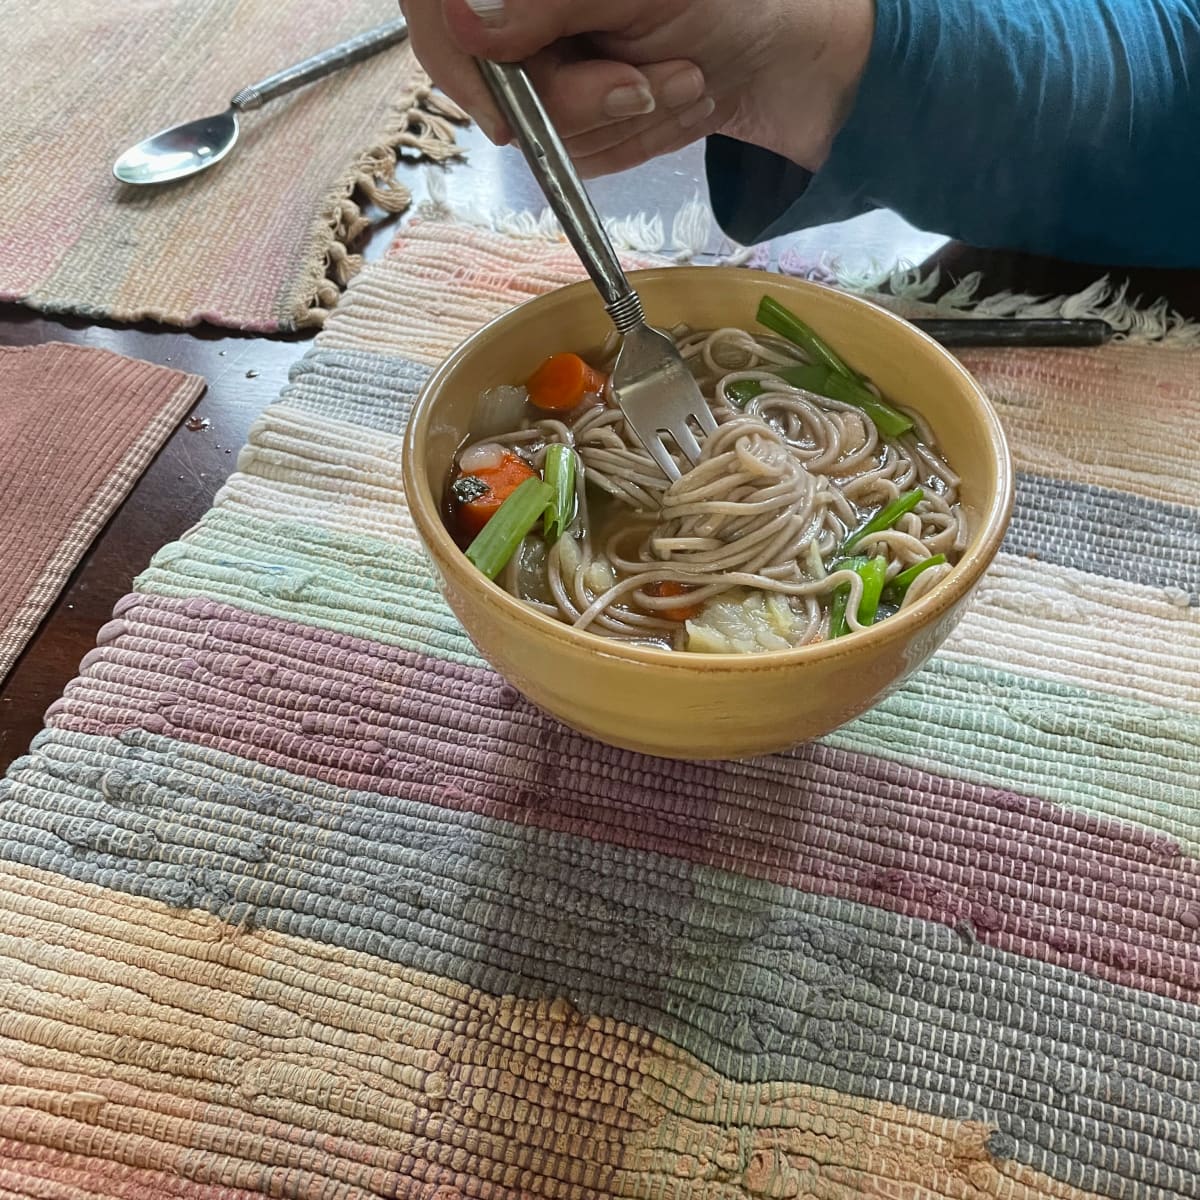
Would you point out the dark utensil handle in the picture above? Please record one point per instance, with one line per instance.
(986, 332)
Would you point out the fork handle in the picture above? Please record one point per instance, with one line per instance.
(551, 165)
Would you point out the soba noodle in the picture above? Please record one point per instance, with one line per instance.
(759, 523)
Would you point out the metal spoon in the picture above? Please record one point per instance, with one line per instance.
(186, 149)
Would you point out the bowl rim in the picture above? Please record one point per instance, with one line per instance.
(948, 592)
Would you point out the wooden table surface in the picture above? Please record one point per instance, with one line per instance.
(246, 373)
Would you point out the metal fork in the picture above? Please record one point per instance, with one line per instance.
(656, 392)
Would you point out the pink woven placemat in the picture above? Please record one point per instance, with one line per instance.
(264, 240)
(77, 428)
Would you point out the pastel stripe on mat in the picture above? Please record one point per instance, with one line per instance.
(1032, 873)
(1108, 533)
(287, 1044)
(1098, 530)
(200, 670)
(760, 982)
(422, 937)
(279, 476)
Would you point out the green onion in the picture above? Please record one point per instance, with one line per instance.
(874, 576)
(784, 322)
(559, 474)
(846, 564)
(498, 540)
(742, 391)
(873, 573)
(822, 381)
(886, 517)
(841, 595)
(903, 581)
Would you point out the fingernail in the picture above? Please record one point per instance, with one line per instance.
(683, 88)
(490, 12)
(632, 100)
(697, 113)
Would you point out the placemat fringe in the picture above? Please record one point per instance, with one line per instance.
(1132, 317)
(637, 233)
(903, 285)
(424, 125)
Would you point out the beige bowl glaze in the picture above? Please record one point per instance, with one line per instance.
(682, 705)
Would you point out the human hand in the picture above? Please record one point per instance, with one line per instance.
(632, 79)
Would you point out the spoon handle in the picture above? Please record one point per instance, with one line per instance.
(551, 165)
(346, 54)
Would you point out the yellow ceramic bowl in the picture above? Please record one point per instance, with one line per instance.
(683, 705)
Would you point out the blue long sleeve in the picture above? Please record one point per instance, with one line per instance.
(1061, 127)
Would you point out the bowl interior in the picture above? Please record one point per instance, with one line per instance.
(910, 369)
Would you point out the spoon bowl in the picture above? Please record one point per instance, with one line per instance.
(186, 149)
(179, 151)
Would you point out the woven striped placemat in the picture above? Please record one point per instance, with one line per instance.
(299, 899)
(263, 241)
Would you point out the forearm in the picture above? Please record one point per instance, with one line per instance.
(1064, 127)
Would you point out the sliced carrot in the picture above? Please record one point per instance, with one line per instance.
(497, 484)
(670, 587)
(562, 381)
